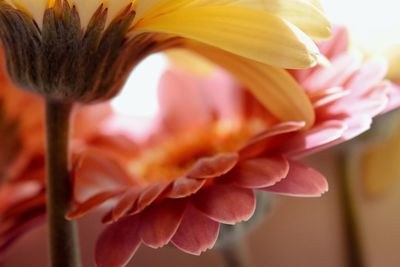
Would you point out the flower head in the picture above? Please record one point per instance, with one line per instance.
(214, 147)
(83, 50)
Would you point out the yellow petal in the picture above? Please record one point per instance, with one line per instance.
(302, 13)
(86, 9)
(115, 7)
(307, 15)
(317, 4)
(273, 87)
(189, 61)
(35, 8)
(380, 168)
(247, 32)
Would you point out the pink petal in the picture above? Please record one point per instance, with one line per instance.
(337, 44)
(178, 114)
(336, 74)
(92, 203)
(260, 172)
(394, 97)
(125, 203)
(160, 222)
(371, 105)
(370, 74)
(331, 48)
(301, 181)
(226, 203)
(97, 172)
(117, 143)
(148, 195)
(196, 233)
(328, 96)
(263, 141)
(212, 167)
(356, 125)
(226, 101)
(303, 142)
(118, 243)
(184, 187)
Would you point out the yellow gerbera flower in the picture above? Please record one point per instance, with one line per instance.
(83, 50)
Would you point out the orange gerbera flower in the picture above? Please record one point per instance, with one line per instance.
(215, 145)
(22, 167)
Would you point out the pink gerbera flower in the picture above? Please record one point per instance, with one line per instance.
(214, 147)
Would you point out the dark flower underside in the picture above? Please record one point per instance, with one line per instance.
(62, 61)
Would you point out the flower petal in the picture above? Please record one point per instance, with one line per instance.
(247, 32)
(303, 13)
(275, 88)
(90, 204)
(97, 172)
(212, 167)
(184, 187)
(36, 8)
(337, 44)
(265, 140)
(302, 181)
(260, 172)
(118, 243)
(304, 142)
(196, 232)
(370, 74)
(177, 114)
(150, 194)
(160, 222)
(336, 74)
(125, 203)
(226, 203)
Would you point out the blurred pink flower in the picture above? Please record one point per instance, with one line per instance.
(214, 146)
(22, 165)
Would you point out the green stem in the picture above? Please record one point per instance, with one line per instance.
(64, 250)
(350, 214)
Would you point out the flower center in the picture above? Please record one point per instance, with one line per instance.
(175, 154)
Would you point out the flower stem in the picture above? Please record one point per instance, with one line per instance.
(235, 254)
(63, 243)
(350, 213)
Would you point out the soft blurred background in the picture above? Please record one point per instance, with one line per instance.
(296, 232)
